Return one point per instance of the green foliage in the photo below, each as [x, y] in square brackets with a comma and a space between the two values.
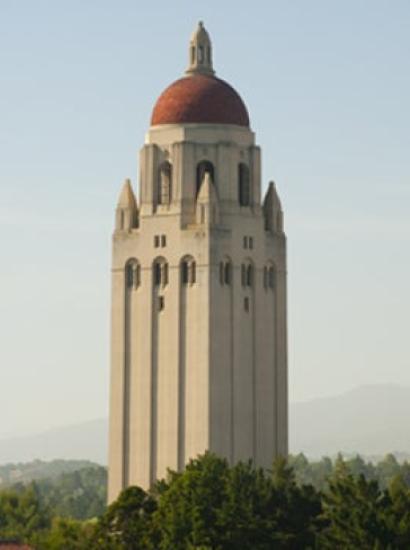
[35, 470]
[353, 509]
[80, 495]
[127, 524]
[317, 473]
[21, 513]
[213, 506]
[67, 534]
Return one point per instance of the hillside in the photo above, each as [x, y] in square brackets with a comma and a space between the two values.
[370, 420]
[85, 441]
[39, 469]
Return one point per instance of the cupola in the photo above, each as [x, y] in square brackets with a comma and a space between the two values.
[200, 97]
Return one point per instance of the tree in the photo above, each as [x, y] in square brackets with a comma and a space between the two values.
[127, 524]
[21, 513]
[354, 513]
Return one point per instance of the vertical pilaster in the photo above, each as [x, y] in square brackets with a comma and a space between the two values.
[116, 457]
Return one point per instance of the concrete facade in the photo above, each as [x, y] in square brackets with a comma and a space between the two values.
[199, 344]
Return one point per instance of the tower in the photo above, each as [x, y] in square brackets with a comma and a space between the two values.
[198, 351]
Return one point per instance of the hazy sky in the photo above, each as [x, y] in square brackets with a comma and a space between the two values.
[327, 85]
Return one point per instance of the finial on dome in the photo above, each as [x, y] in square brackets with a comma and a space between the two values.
[200, 52]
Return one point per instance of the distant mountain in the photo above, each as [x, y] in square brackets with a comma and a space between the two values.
[86, 441]
[369, 420]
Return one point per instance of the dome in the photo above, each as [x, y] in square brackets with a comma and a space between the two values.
[200, 98]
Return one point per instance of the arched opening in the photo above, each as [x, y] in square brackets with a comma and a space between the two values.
[228, 273]
[160, 272]
[165, 183]
[247, 274]
[133, 274]
[202, 168]
[188, 271]
[265, 277]
[243, 185]
[243, 274]
[225, 272]
[271, 277]
[221, 272]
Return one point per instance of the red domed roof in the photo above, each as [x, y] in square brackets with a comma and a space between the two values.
[202, 99]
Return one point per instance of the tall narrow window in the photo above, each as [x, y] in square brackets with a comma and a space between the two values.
[188, 271]
[164, 273]
[160, 272]
[243, 274]
[243, 185]
[157, 274]
[225, 272]
[249, 275]
[133, 274]
[192, 273]
[202, 168]
[165, 183]
[184, 272]
[271, 277]
[228, 273]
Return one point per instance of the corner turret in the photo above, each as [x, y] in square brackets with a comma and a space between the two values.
[272, 210]
[126, 215]
[207, 209]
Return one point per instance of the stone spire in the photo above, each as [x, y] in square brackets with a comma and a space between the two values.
[207, 208]
[127, 209]
[272, 210]
[200, 52]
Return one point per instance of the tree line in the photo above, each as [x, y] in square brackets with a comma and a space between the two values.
[213, 506]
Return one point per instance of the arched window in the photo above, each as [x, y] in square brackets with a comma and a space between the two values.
[188, 271]
[165, 183]
[133, 274]
[243, 274]
[160, 272]
[271, 277]
[221, 272]
[247, 274]
[201, 169]
[225, 272]
[243, 185]
[265, 277]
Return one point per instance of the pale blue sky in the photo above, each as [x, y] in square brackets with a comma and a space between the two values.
[327, 85]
